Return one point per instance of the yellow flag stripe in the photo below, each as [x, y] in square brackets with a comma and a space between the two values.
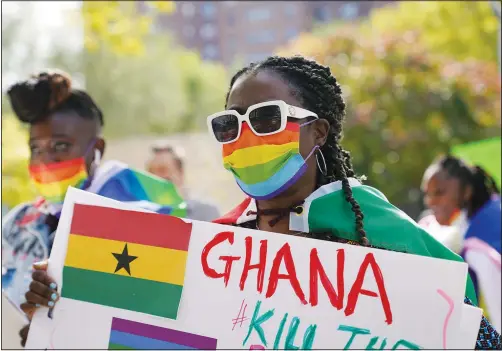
[152, 263]
[256, 155]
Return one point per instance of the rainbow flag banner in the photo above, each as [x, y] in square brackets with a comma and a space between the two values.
[129, 335]
[118, 181]
[126, 259]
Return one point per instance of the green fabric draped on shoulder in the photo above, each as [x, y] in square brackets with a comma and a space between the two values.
[386, 226]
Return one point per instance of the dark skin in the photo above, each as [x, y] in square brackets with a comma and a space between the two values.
[61, 137]
[247, 90]
[444, 195]
[65, 136]
[267, 86]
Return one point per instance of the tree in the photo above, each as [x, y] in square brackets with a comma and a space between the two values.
[167, 90]
[120, 25]
[16, 185]
[405, 104]
[459, 29]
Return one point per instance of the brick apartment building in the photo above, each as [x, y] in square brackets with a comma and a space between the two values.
[251, 30]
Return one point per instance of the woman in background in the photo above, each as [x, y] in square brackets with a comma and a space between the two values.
[465, 196]
[466, 216]
[66, 147]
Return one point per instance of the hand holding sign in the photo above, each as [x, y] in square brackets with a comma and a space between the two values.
[42, 290]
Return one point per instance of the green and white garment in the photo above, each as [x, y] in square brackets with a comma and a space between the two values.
[386, 226]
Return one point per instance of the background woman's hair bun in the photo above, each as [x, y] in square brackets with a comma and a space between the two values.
[33, 99]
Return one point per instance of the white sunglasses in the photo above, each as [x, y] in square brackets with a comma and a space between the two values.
[265, 118]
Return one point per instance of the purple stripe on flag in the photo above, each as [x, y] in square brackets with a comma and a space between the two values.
[159, 333]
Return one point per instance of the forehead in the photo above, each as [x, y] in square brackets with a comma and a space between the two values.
[258, 87]
[439, 178]
[64, 124]
[163, 159]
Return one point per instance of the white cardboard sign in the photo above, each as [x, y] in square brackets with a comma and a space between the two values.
[379, 299]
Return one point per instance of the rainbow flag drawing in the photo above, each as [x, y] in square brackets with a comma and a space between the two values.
[126, 259]
[129, 335]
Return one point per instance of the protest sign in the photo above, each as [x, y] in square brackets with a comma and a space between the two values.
[241, 289]
[469, 329]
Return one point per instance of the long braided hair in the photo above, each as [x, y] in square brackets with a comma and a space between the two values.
[318, 91]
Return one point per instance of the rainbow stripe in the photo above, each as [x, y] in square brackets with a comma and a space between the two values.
[265, 166]
[454, 216]
[129, 335]
[53, 180]
[127, 184]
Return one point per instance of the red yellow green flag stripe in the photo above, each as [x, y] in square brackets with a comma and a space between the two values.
[126, 259]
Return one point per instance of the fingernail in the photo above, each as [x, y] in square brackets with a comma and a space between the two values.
[51, 303]
[53, 285]
[54, 296]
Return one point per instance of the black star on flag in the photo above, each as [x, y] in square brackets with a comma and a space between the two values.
[123, 260]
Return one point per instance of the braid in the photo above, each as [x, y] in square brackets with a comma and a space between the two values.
[318, 90]
[483, 185]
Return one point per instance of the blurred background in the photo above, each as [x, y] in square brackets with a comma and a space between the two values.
[420, 78]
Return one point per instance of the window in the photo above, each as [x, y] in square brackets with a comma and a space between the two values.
[188, 9]
[188, 31]
[208, 9]
[257, 56]
[261, 37]
[259, 14]
[208, 31]
[291, 33]
[231, 19]
[232, 45]
[322, 14]
[291, 9]
[349, 11]
[210, 52]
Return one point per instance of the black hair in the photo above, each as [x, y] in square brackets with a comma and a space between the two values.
[35, 99]
[318, 90]
[483, 185]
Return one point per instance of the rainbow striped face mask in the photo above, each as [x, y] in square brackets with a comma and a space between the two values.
[265, 166]
[53, 179]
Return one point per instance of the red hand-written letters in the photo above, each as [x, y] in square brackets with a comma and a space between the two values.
[317, 273]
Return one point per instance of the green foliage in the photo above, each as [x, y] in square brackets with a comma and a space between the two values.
[118, 25]
[405, 104]
[459, 29]
[16, 186]
[167, 90]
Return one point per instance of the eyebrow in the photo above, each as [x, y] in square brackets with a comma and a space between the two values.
[57, 135]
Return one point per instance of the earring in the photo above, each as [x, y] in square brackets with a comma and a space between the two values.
[323, 170]
[97, 157]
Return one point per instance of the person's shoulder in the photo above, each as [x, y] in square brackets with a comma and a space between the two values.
[202, 209]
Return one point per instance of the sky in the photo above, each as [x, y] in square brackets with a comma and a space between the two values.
[43, 27]
[51, 12]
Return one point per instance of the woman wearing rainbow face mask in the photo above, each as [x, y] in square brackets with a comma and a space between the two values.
[66, 148]
[280, 135]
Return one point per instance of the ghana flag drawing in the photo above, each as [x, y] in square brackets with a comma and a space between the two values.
[130, 335]
[126, 259]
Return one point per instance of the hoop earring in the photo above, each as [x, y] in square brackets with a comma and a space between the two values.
[324, 171]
